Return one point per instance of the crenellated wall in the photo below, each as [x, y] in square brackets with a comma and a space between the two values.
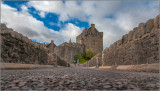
[139, 46]
[16, 48]
[67, 51]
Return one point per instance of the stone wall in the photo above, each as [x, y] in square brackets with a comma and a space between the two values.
[16, 48]
[94, 61]
[139, 46]
[53, 59]
[51, 46]
[67, 51]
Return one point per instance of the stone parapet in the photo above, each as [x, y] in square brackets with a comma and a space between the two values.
[139, 46]
[19, 36]
[16, 48]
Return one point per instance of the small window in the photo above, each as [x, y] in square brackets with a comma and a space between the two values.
[94, 42]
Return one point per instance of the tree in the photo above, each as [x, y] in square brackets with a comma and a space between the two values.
[85, 57]
[89, 54]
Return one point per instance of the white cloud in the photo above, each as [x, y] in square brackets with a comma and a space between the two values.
[51, 23]
[42, 14]
[24, 8]
[70, 32]
[126, 16]
[65, 10]
[26, 24]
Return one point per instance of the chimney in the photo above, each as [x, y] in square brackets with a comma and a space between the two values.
[52, 41]
[92, 25]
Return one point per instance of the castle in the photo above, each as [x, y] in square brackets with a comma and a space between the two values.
[139, 46]
[88, 39]
[19, 49]
[91, 38]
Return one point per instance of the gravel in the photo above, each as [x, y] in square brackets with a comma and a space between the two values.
[77, 79]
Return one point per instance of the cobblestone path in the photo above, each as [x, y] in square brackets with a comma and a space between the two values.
[77, 79]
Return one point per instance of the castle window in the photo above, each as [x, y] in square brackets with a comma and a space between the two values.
[94, 42]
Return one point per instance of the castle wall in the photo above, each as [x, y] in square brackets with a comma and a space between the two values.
[67, 53]
[139, 46]
[55, 60]
[94, 43]
[16, 48]
[94, 61]
[19, 49]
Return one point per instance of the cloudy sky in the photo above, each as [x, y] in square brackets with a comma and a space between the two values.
[43, 21]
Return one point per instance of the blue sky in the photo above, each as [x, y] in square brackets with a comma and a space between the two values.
[50, 20]
[44, 21]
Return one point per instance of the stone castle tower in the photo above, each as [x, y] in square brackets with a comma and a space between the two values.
[91, 38]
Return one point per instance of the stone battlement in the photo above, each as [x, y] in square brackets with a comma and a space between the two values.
[19, 36]
[144, 30]
[139, 46]
[16, 48]
[67, 51]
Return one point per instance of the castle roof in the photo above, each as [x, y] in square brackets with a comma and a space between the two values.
[92, 31]
[51, 44]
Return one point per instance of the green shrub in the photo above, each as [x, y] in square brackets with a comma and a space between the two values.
[84, 57]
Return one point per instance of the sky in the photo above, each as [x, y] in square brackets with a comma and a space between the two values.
[43, 21]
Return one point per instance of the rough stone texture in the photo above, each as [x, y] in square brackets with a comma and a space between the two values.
[140, 46]
[91, 38]
[53, 59]
[16, 48]
[94, 61]
[67, 51]
[77, 79]
[51, 46]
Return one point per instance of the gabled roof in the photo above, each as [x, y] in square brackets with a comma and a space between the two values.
[92, 31]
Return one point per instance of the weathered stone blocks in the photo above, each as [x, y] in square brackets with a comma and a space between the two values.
[139, 46]
[135, 32]
[17, 48]
[119, 43]
[124, 39]
[91, 38]
[149, 25]
[141, 28]
[130, 36]
[156, 22]
[67, 51]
